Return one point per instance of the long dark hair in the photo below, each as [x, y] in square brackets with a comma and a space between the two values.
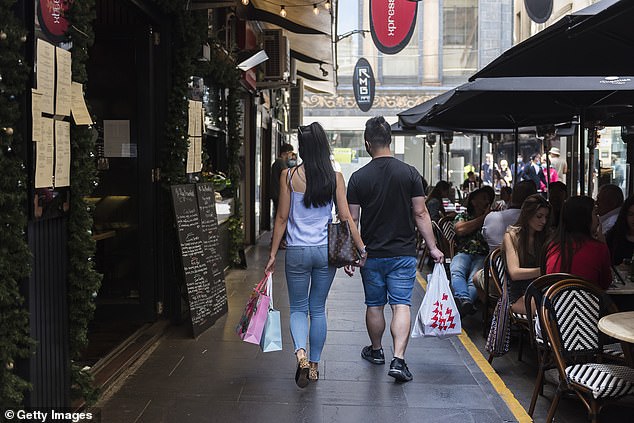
[440, 187]
[321, 180]
[529, 208]
[618, 233]
[574, 230]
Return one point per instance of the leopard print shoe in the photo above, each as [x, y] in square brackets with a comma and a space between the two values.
[313, 373]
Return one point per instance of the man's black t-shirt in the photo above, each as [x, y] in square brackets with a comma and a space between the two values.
[384, 189]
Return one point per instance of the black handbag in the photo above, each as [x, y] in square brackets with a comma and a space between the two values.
[341, 248]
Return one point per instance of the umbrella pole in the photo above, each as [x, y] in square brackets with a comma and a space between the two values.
[480, 169]
[447, 163]
[516, 146]
[547, 145]
[582, 153]
[591, 146]
[440, 159]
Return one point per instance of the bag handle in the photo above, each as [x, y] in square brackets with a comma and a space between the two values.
[269, 288]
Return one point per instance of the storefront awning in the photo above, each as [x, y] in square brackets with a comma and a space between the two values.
[309, 36]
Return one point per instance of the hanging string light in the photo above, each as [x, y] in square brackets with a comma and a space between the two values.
[315, 9]
[282, 11]
[327, 5]
[245, 2]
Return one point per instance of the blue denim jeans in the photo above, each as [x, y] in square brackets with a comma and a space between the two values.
[463, 267]
[308, 277]
[388, 280]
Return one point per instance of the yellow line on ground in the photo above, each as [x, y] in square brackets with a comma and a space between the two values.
[496, 381]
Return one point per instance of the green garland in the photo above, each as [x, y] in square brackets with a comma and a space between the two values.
[222, 71]
[188, 31]
[14, 251]
[83, 280]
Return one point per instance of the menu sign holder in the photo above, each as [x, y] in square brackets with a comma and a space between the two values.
[197, 228]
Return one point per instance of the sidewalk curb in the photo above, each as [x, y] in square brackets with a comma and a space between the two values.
[496, 381]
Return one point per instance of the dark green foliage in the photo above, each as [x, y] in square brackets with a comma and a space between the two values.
[14, 252]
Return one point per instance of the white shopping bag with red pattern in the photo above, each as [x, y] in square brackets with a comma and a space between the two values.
[438, 315]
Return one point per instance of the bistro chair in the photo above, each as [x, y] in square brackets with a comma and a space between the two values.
[570, 312]
[443, 245]
[422, 250]
[533, 296]
[497, 268]
[447, 227]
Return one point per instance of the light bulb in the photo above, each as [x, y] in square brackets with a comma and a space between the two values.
[327, 5]
[315, 9]
[245, 2]
[282, 12]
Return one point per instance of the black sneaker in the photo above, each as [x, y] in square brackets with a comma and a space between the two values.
[465, 307]
[373, 356]
[399, 370]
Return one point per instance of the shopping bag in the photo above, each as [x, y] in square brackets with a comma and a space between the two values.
[499, 338]
[438, 315]
[255, 313]
[272, 334]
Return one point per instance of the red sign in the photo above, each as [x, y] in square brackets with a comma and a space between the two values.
[51, 14]
[392, 24]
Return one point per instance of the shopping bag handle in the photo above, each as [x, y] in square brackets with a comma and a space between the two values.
[269, 287]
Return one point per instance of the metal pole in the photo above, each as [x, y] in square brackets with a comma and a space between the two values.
[582, 153]
[516, 147]
[591, 137]
[447, 162]
[547, 152]
[440, 159]
[480, 169]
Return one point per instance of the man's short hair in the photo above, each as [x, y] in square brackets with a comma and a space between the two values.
[521, 191]
[285, 148]
[378, 132]
[470, 173]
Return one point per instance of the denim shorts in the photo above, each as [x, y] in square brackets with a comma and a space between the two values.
[388, 280]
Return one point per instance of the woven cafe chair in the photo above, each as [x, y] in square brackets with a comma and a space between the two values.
[533, 297]
[570, 313]
[447, 227]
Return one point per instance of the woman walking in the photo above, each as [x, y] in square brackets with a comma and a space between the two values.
[304, 210]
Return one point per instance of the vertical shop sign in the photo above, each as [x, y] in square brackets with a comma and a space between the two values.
[392, 24]
[363, 84]
[52, 17]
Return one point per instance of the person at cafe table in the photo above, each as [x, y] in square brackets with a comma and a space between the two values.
[578, 246]
[620, 238]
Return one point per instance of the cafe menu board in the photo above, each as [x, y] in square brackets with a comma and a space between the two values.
[197, 226]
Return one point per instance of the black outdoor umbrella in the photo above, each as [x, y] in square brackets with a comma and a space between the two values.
[523, 101]
[597, 40]
[410, 118]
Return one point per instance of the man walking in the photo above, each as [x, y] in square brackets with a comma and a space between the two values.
[390, 194]
[281, 163]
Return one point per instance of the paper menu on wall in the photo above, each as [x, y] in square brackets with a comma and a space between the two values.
[45, 76]
[36, 114]
[44, 156]
[191, 156]
[116, 138]
[62, 82]
[62, 153]
[194, 126]
[78, 108]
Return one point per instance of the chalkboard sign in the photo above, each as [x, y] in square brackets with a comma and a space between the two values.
[197, 226]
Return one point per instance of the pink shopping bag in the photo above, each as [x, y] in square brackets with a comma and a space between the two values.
[255, 313]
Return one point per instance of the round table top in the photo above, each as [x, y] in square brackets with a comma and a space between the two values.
[619, 325]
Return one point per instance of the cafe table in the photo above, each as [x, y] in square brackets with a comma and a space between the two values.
[619, 325]
[621, 285]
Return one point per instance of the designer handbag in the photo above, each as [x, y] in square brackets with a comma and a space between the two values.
[341, 249]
